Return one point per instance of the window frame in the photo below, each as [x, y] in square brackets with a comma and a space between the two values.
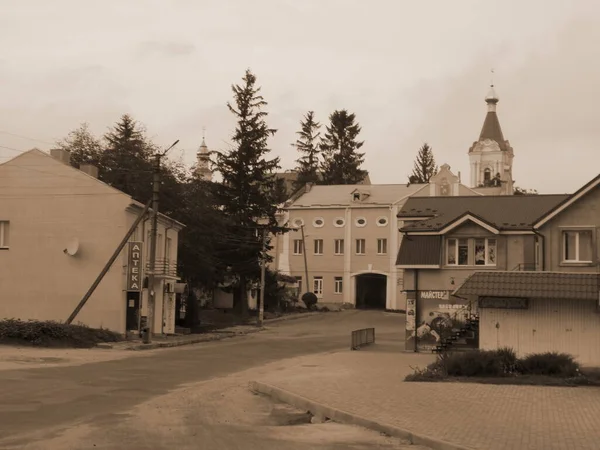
[471, 257]
[4, 234]
[336, 224]
[320, 219]
[358, 225]
[338, 251]
[563, 243]
[364, 246]
[318, 281]
[386, 221]
[301, 247]
[318, 245]
[338, 285]
[382, 242]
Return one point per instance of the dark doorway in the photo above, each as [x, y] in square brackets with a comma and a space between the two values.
[133, 311]
[371, 291]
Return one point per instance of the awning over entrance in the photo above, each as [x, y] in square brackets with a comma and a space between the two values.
[550, 285]
[420, 252]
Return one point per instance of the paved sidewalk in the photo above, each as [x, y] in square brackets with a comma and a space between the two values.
[188, 339]
[368, 383]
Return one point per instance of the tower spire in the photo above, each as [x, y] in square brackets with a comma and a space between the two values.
[491, 98]
[203, 166]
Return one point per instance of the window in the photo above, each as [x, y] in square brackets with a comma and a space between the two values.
[457, 251]
[298, 247]
[487, 175]
[318, 222]
[339, 222]
[361, 222]
[483, 252]
[382, 221]
[318, 286]
[577, 246]
[298, 222]
[338, 285]
[356, 196]
[360, 246]
[318, 246]
[338, 246]
[4, 234]
[381, 246]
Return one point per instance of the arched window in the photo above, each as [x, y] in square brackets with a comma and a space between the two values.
[487, 175]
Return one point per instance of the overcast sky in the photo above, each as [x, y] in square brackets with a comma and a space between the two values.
[411, 71]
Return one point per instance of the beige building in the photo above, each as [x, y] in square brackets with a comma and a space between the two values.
[352, 231]
[59, 226]
[351, 236]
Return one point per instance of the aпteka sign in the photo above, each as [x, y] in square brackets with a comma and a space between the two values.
[134, 267]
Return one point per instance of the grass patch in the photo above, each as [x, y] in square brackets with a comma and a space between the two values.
[503, 367]
[53, 334]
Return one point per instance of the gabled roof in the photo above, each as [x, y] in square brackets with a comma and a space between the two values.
[341, 195]
[290, 177]
[503, 212]
[548, 285]
[420, 252]
[567, 202]
[37, 152]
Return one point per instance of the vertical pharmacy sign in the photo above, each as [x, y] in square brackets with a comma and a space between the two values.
[134, 267]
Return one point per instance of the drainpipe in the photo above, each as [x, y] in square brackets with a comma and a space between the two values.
[416, 349]
[543, 248]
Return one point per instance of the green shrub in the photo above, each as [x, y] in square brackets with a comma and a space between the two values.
[52, 334]
[549, 363]
[474, 364]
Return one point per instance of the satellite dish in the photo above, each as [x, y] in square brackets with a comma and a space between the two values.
[72, 247]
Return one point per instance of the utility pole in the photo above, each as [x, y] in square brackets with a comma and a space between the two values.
[305, 264]
[153, 235]
[263, 269]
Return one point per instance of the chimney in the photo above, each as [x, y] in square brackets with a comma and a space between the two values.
[89, 169]
[60, 154]
[459, 176]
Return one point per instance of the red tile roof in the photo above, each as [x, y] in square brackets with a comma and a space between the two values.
[550, 285]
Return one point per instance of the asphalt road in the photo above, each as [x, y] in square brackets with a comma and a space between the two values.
[159, 401]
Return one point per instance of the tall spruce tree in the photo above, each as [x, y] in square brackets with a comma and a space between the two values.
[341, 159]
[126, 160]
[424, 167]
[246, 193]
[308, 145]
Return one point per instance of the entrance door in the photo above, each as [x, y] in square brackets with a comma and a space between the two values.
[371, 291]
[133, 311]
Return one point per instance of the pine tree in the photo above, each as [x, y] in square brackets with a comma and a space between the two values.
[126, 160]
[246, 193]
[308, 145]
[84, 147]
[424, 167]
[341, 160]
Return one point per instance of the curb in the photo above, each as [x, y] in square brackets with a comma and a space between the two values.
[218, 336]
[318, 409]
[199, 339]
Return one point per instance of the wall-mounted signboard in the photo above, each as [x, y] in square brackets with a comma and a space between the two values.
[503, 302]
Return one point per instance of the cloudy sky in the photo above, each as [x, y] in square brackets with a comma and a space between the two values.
[411, 71]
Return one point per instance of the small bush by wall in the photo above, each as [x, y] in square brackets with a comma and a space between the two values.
[53, 334]
[503, 364]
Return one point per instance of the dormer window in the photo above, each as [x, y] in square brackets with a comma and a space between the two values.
[358, 196]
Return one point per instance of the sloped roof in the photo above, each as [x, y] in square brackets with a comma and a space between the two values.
[491, 130]
[291, 176]
[341, 194]
[504, 212]
[420, 251]
[550, 285]
[581, 192]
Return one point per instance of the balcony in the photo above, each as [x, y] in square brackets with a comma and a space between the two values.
[164, 268]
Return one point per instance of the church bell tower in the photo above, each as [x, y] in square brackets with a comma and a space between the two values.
[491, 156]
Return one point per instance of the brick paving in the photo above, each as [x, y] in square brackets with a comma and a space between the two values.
[369, 383]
